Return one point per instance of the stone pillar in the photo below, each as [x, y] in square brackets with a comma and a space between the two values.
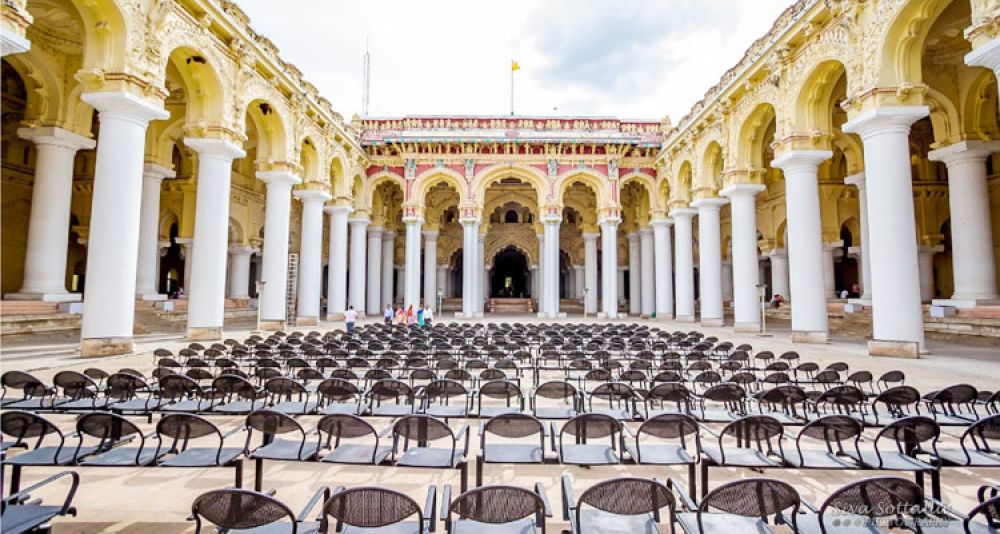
[187, 254]
[590, 272]
[634, 274]
[971, 228]
[685, 264]
[442, 284]
[727, 280]
[925, 255]
[621, 284]
[858, 180]
[487, 285]
[239, 271]
[710, 260]
[480, 265]
[373, 287]
[609, 268]
[805, 243]
[336, 283]
[411, 263]
[147, 287]
[310, 256]
[113, 240]
[579, 281]
[779, 273]
[664, 268]
[897, 315]
[430, 267]
[550, 265]
[648, 291]
[470, 244]
[388, 258]
[274, 277]
[829, 274]
[357, 274]
[48, 223]
[987, 55]
[746, 268]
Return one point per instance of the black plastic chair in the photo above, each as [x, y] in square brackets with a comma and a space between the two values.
[22, 515]
[35, 395]
[741, 506]
[950, 521]
[590, 426]
[758, 446]
[728, 404]
[860, 507]
[113, 430]
[272, 424]
[504, 390]
[511, 426]
[899, 402]
[978, 446]
[445, 399]
[338, 427]
[185, 395]
[374, 509]
[555, 390]
[908, 437]
[340, 396]
[175, 432]
[686, 451]
[953, 406]
[838, 433]
[621, 399]
[240, 511]
[496, 509]
[668, 398]
[239, 396]
[22, 426]
[423, 429]
[624, 505]
[389, 389]
[289, 397]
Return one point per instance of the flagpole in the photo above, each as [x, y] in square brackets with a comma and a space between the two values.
[512, 88]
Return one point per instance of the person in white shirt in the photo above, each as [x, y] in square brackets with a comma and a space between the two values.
[387, 314]
[350, 317]
[428, 316]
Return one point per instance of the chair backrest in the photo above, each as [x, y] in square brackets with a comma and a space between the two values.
[497, 504]
[421, 428]
[185, 426]
[591, 425]
[272, 423]
[74, 384]
[500, 389]
[876, 497]
[898, 396]
[910, 432]
[833, 429]
[344, 426]
[107, 427]
[444, 389]
[19, 425]
[389, 389]
[556, 390]
[22, 381]
[753, 430]
[370, 507]
[752, 497]
[984, 433]
[234, 508]
[627, 496]
[513, 425]
[669, 426]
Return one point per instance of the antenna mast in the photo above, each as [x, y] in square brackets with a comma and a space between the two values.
[366, 95]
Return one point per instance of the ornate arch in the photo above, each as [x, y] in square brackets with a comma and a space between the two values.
[648, 181]
[597, 182]
[372, 183]
[899, 56]
[814, 97]
[750, 139]
[494, 173]
[431, 177]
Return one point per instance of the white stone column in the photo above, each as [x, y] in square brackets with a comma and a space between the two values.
[634, 274]
[187, 254]
[648, 291]
[388, 258]
[971, 228]
[470, 245]
[442, 284]
[727, 280]
[336, 282]
[550, 265]
[710, 260]
[579, 281]
[829, 273]
[358, 273]
[925, 255]
[779, 273]
[590, 272]
[430, 267]
[207, 278]
[48, 223]
[239, 271]
[684, 256]
[858, 180]
[411, 263]
[745, 265]
[987, 55]
[373, 288]
[897, 315]
[113, 240]
[310, 256]
[664, 268]
[609, 268]
[274, 277]
[805, 243]
[148, 266]
[480, 265]
[487, 282]
[534, 284]
[621, 285]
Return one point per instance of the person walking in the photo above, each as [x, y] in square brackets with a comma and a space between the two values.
[387, 314]
[428, 316]
[350, 317]
[420, 316]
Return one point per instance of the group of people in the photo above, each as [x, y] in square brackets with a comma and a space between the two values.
[409, 317]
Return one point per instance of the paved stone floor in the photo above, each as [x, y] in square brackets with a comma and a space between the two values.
[158, 500]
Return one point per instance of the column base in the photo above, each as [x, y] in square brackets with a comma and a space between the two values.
[663, 317]
[339, 316]
[473, 315]
[307, 321]
[809, 337]
[747, 327]
[106, 346]
[962, 303]
[63, 296]
[273, 326]
[686, 319]
[204, 333]
[151, 297]
[708, 321]
[895, 349]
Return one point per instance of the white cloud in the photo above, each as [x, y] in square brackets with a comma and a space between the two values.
[623, 58]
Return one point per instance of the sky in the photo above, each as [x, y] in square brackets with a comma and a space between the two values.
[633, 59]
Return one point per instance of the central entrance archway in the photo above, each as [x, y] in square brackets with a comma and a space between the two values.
[510, 274]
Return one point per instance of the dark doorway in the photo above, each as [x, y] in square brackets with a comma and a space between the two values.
[509, 277]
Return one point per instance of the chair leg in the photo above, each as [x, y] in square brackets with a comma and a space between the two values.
[936, 484]
[238, 467]
[464, 469]
[258, 482]
[15, 479]
[479, 470]
[704, 479]
[691, 482]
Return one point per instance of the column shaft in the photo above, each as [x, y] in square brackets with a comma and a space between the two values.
[470, 244]
[357, 273]
[374, 268]
[710, 260]
[858, 180]
[239, 271]
[550, 266]
[634, 274]
[336, 283]
[745, 266]
[609, 268]
[388, 259]
[310, 256]
[149, 233]
[664, 268]
[590, 269]
[275, 268]
[684, 255]
[430, 268]
[648, 291]
[411, 264]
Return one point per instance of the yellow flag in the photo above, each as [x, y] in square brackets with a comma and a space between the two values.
[514, 66]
